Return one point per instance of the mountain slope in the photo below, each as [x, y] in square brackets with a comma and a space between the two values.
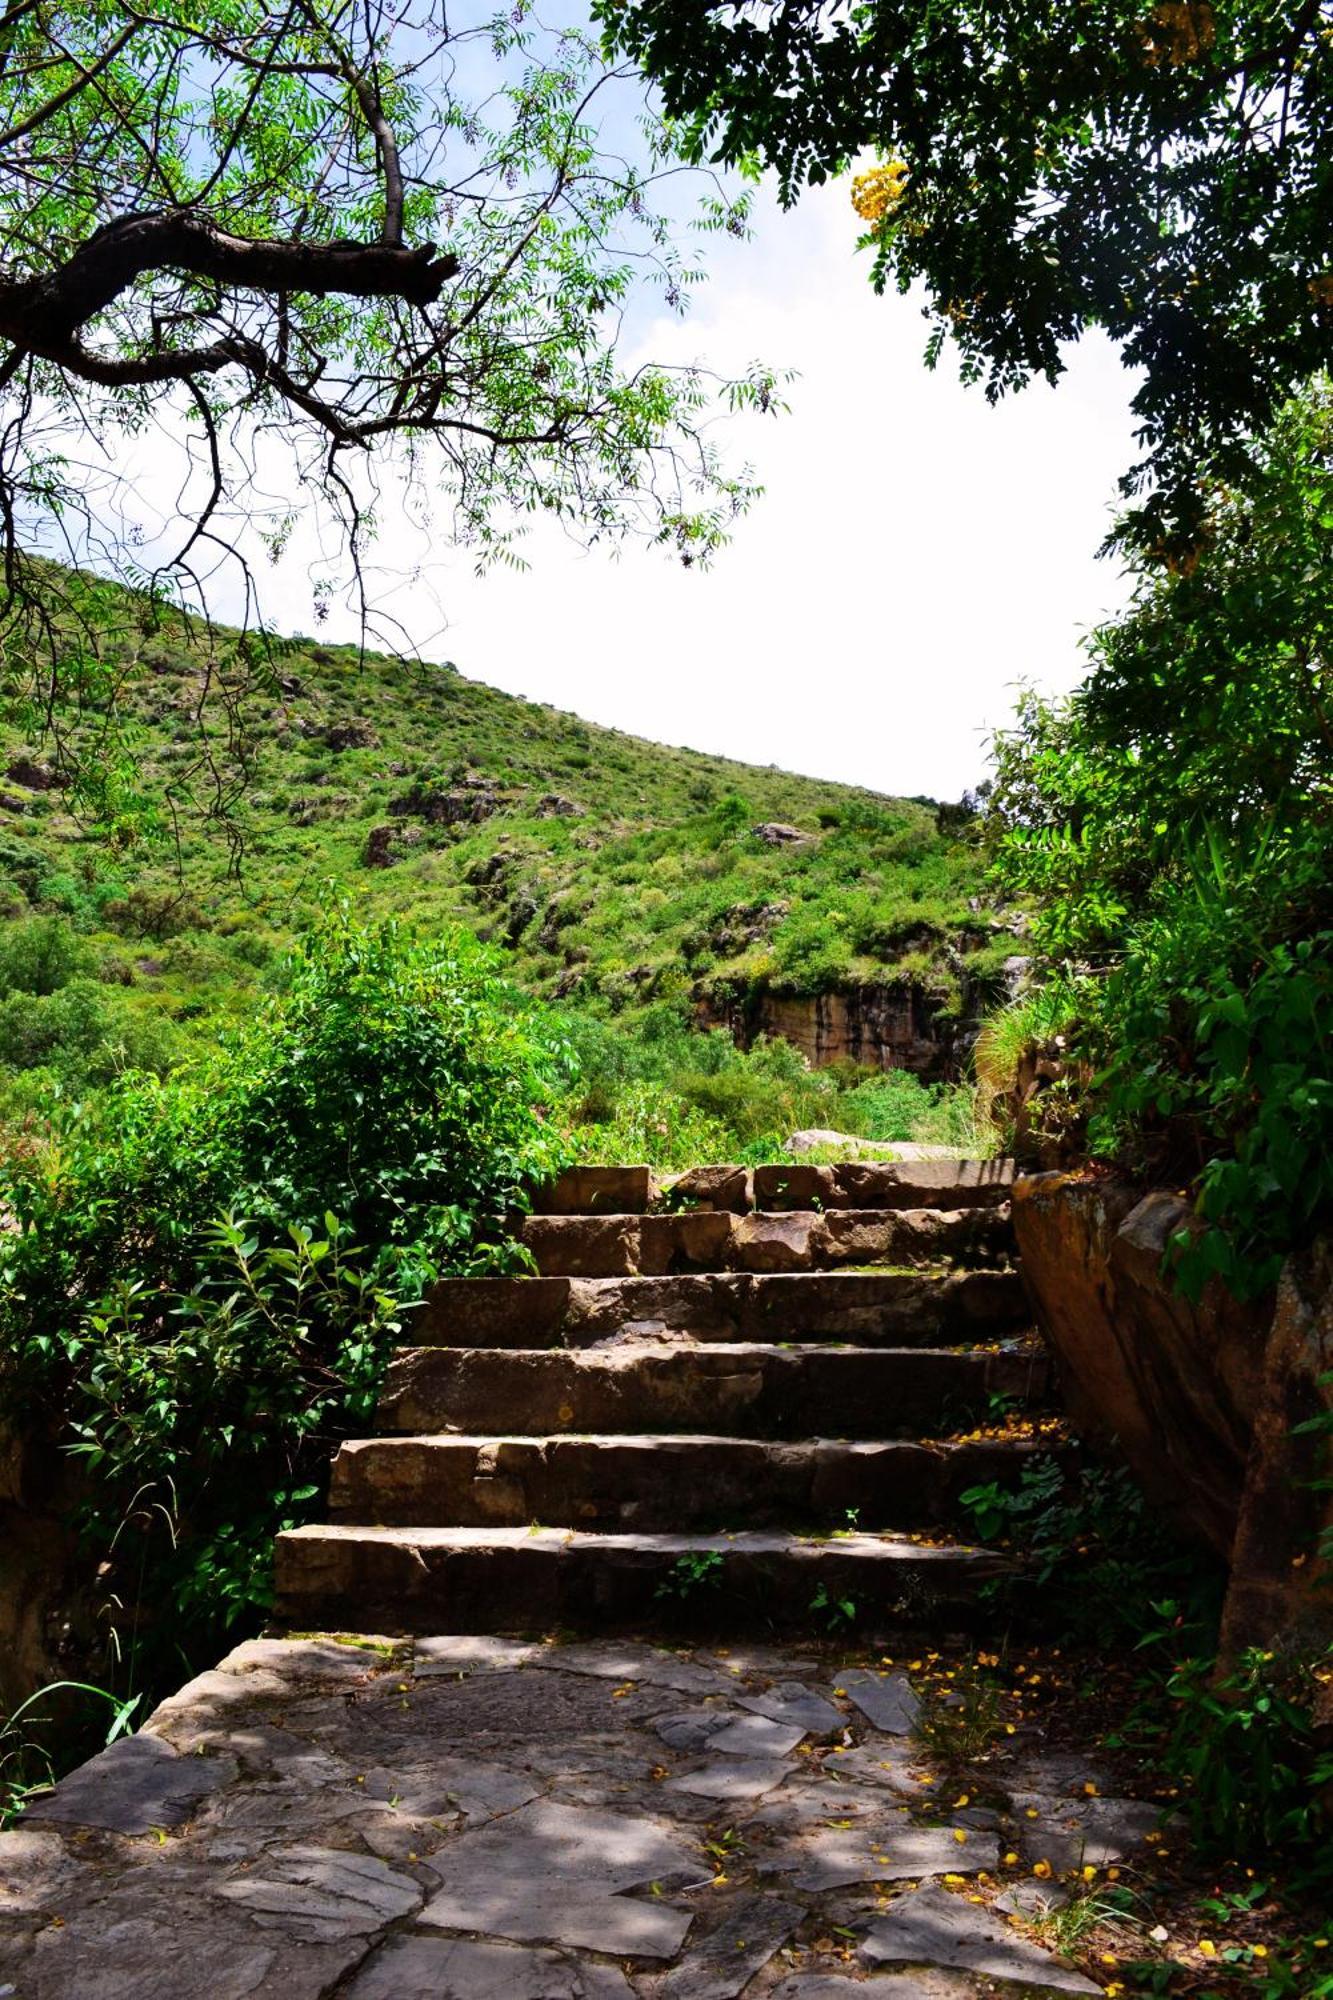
[615, 871]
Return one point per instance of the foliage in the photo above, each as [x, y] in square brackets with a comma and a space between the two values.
[207, 1272]
[1026, 1090]
[1244, 1739]
[653, 1127]
[652, 1088]
[60, 1026]
[1094, 1555]
[963, 1719]
[27, 1761]
[1172, 819]
[698, 1570]
[622, 877]
[1164, 173]
[340, 246]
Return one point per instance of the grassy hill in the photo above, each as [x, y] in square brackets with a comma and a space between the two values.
[621, 877]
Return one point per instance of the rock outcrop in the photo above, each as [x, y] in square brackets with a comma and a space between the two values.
[894, 1025]
[1200, 1397]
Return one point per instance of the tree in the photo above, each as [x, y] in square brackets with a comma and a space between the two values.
[1172, 822]
[1163, 171]
[344, 230]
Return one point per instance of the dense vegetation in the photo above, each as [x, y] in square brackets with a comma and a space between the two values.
[632, 884]
[205, 1273]
[1173, 821]
[309, 254]
[1162, 172]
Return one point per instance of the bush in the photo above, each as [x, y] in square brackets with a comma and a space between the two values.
[683, 1096]
[1173, 819]
[207, 1272]
[41, 955]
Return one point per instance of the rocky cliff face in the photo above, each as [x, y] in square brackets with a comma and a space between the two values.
[893, 1025]
[1201, 1399]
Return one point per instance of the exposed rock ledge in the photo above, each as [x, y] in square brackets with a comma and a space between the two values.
[893, 1025]
[1202, 1399]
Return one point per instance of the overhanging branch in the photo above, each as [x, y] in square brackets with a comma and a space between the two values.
[42, 313]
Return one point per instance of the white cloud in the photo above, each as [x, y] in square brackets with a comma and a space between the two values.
[917, 551]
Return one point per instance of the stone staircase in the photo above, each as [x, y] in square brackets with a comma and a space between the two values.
[736, 1395]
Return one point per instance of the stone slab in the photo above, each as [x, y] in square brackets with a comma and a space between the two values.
[468, 1653]
[597, 1191]
[757, 1736]
[893, 1986]
[133, 1787]
[800, 1706]
[885, 1700]
[739, 1388]
[162, 1950]
[1071, 1833]
[723, 1963]
[733, 1781]
[654, 1665]
[322, 1893]
[893, 1848]
[557, 1874]
[426, 1968]
[930, 1926]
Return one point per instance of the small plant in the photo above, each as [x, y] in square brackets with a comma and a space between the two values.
[698, 1569]
[27, 1764]
[727, 1844]
[1065, 1930]
[838, 1613]
[1257, 1777]
[962, 1721]
[1093, 1556]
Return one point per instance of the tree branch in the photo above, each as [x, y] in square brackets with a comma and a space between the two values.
[44, 312]
[368, 97]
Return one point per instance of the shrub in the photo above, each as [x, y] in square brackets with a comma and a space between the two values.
[41, 955]
[207, 1272]
[1173, 819]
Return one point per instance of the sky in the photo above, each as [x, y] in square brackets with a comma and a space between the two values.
[916, 554]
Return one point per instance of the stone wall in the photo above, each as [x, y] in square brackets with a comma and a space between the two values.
[1201, 1399]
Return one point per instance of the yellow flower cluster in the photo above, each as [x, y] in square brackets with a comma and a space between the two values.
[1180, 31]
[877, 193]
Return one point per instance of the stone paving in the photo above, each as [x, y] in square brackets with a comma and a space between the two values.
[458, 1818]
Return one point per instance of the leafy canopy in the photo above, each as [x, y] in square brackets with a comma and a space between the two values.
[1159, 168]
[271, 247]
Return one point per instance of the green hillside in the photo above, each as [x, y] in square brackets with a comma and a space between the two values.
[618, 875]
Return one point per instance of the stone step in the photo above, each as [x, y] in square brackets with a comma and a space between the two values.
[738, 1389]
[876, 1184]
[598, 1191]
[846, 1184]
[526, 1580]
[620, 1246]
[653, 1485]
[894, 1308]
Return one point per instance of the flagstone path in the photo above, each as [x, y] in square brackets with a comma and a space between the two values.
[457, 1818]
